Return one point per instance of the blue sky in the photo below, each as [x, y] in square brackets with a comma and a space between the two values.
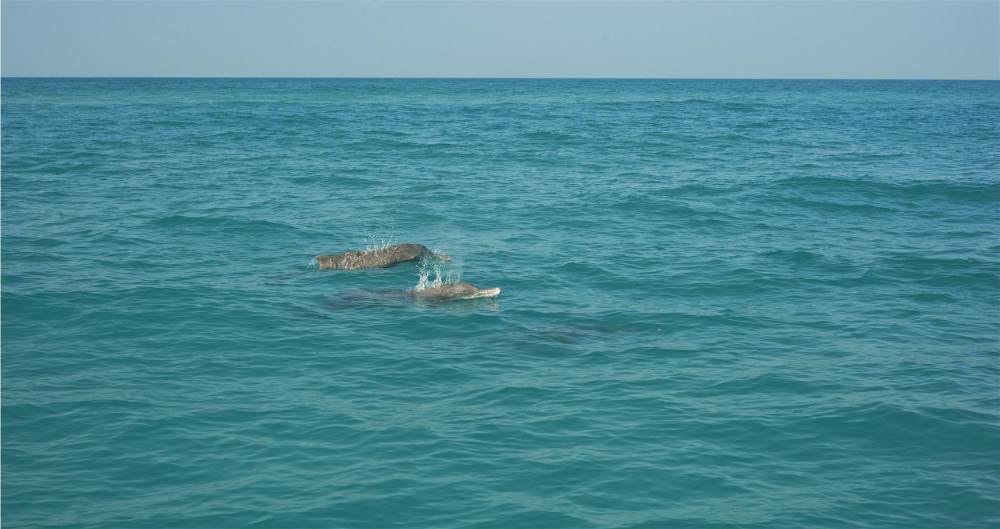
[799, 39]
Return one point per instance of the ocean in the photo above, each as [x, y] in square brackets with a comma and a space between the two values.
[739, 304]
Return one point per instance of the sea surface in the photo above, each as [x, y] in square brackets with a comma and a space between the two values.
[726, 304]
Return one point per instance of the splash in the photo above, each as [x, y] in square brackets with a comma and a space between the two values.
[380, 238]
[425, 282]
[378, 243]
[452, 273]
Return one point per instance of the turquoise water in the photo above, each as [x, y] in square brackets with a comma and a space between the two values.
[725, 304]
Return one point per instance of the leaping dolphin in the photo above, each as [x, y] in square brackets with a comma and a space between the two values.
[379, 258]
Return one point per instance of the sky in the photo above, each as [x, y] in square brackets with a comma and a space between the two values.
[705, 39]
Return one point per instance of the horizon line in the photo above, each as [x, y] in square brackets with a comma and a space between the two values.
[449, 77]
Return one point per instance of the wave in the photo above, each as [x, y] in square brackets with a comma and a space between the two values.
[551, 136]
[960, 191]
[834, 206]
[221, 224]
[333, 180]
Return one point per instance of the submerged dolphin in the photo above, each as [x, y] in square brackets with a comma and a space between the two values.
[381, 257]
[437, 295]
[452, 291]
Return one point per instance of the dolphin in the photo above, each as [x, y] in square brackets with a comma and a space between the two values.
[452, 291]
[379, 258]
[354, 299]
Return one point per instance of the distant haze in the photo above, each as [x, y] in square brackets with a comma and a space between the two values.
[925, 40]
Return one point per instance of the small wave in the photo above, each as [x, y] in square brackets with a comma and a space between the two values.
[334, 179]
[220, 223]
[741, 106]
[697, 190]
[721, 104]
[759, 124]
[386, 144]
[695, 101]
[543, 135]
[917, 261]
[931, 189]
[794, 256]
[833, 206]
[933, 297]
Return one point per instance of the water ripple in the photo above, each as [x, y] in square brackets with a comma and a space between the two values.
[726, 304]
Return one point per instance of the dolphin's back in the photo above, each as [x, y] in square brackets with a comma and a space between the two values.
[372, 258]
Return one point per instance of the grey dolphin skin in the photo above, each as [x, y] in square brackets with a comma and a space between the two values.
[454, 291]
[380, 258]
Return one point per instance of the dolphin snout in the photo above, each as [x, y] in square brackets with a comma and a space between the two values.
[490, 292]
